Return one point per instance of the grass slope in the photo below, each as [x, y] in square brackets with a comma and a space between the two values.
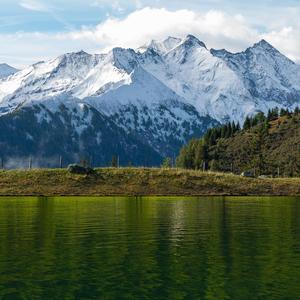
[249, 150]
[132, 181]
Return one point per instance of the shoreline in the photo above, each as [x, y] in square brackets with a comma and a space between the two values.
[145, 196]
[137, 182]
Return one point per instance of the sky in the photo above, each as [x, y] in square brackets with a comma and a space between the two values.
[35, 30]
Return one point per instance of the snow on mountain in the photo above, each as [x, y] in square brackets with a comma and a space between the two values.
[78, 74]
[6, 70]
[161, 47]
[69, 129]
[148, 108]
[217, 83]
[112, 71]
[164, 93]
[116, 85]
[203, 80]
[266, 73]
[45, 79]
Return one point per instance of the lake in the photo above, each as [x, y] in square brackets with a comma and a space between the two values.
[150, 248]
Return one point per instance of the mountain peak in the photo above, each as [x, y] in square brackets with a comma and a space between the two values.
[6, 70]
[73, 57]
[219, 52]
[164, 46]
[263, 44]
[76, 54]
[171, 42]
[124, 59]
[81, 52]
[191, 40]
[5, 65]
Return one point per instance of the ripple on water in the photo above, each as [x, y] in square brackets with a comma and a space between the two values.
[157, 248]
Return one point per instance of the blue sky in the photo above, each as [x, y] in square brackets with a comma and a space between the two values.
[32, 30]
[58, 15]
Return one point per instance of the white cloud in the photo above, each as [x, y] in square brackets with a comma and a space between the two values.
[286, 40]
[213, 27]
[216, 28]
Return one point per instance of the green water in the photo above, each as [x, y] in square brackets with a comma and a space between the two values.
[150, 248]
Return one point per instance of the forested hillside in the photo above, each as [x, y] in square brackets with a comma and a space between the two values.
[265, 145]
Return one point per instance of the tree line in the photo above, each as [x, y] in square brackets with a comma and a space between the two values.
[203, 154]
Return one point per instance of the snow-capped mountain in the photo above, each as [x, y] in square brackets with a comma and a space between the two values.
[6, 70]
[159, 95]
[145, 107]
[203, 80]
[72, 130]
[266, 73]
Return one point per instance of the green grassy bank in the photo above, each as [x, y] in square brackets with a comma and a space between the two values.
[133, 181]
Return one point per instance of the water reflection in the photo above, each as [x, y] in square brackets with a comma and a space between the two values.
[149, 248]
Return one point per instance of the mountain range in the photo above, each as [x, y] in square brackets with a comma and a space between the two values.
[139, 104]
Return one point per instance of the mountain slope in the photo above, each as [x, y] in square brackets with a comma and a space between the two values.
[152, 112]
[74, 131]
[204, 80]
[266, 145]
[6, 70]
[276, 151]
[158, 96]
[117, 86]
[267, 74]
[217, 83]
[45, 79]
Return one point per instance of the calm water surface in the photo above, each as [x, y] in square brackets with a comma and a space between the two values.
[150, 248]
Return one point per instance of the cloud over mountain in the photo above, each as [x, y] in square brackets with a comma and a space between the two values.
[217, 28]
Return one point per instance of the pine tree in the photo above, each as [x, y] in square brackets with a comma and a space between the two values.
[224, 131]
[266, 127]
[269, 115]
[214, 165]
[283, 112]
[114, 161]
[186, 156]
[276, 112]
[247, 123]
[201, 155]
[260, 118]
[167, 163]
[228, 131]
[213, 138]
